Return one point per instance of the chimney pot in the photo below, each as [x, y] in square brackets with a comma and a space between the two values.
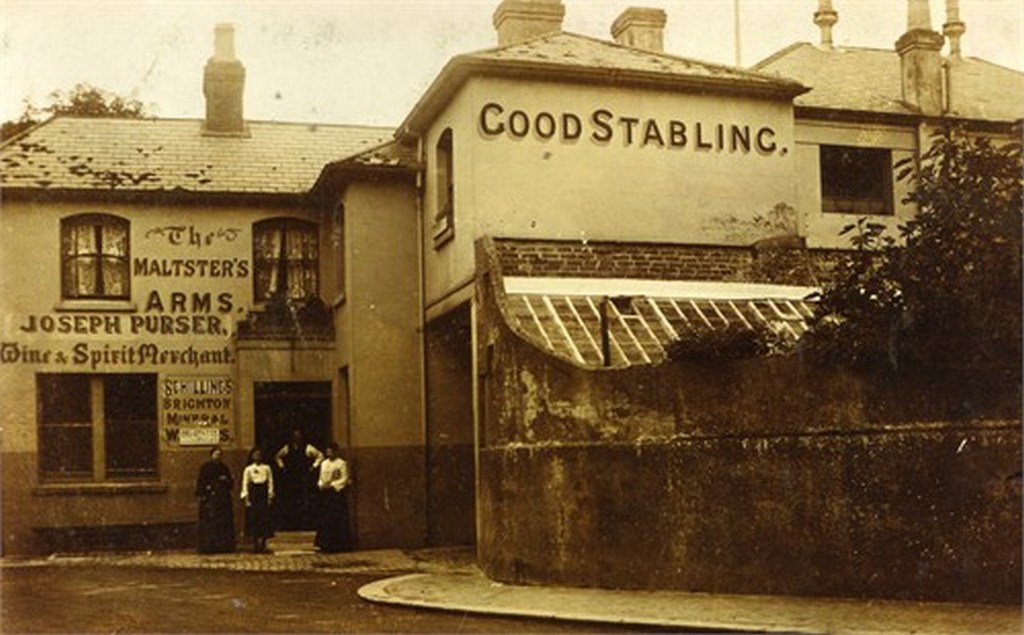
[825, 18]
[641, 28]
[519, 20]
[224, 42]
[954, 28]
[918, 15]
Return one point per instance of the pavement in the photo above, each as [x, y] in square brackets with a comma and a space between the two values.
[448, 579]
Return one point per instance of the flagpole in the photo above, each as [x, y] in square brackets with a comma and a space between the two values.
[736, 14]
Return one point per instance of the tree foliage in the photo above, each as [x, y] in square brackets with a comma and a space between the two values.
[84, 100]
[948, 294]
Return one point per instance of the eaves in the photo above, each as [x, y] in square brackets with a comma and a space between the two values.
[818, 113]
[158, 197]
[461, 68]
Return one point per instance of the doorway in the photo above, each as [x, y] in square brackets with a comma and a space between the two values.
[281, 408]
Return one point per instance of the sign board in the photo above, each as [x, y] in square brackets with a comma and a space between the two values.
[196, 410]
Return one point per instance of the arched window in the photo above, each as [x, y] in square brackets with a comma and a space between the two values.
[286, 259]
[95, 257]
[444, 219]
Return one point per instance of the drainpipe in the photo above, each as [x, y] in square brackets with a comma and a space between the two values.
[422, 327]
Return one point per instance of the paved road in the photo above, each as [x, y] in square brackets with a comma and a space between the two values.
[105, 599]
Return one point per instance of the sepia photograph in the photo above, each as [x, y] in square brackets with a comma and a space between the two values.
[511, 316]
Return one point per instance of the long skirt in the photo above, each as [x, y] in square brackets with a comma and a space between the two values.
[216, 524]
[332, 532]
[258, 523]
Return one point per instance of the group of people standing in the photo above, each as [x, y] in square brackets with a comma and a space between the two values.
[296, 508]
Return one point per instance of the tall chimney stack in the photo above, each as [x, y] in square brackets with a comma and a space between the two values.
[954, 28]
[921, 60]
[223, 85]
[519, 20]
[825, 18]
[641, 28]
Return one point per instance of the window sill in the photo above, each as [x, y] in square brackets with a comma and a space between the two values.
[855, 206]
[106, 306]
[99, 489]
[443, 236]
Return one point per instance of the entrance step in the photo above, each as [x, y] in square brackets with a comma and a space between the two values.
[292, 542]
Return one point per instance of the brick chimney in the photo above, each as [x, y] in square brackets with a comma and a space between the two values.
[825, 18]
[921, 60]
[641, 28]
[519, 20]
[954, 27]
[223, 84]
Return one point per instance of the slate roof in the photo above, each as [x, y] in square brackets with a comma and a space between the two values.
[391, 154]
[580, 58]
[579, 52]
[869, 80]
[155, 155]
[646, 318]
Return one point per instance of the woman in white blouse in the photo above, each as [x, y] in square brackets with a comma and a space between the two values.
[258, 493]
[332, 527]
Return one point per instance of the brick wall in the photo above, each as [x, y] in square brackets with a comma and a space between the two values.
[663, 261]
[622, 260]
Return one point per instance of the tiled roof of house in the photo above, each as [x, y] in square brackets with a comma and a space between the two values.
[391, 154]
[585, 59]
[580, 52]
[869, 80]
[646, 319]
[153, 155]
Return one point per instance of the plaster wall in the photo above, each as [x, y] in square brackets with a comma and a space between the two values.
[191, 282]
[379, 343]
[822, 229]
[624, 180]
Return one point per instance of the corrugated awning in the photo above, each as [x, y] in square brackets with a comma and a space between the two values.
[643, 317]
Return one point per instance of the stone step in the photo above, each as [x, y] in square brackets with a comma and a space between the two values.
[292, 541]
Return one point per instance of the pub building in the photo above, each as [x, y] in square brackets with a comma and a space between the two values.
[553, 213]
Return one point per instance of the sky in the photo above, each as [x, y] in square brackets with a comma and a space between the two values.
[368, 61]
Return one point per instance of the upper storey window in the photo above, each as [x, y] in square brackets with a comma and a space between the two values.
[94, 257]
[444, 219]
[286, 259]
[856, 180]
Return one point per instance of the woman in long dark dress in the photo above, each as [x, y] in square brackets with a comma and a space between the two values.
[258, 493]
[332, 528]
[216, 516]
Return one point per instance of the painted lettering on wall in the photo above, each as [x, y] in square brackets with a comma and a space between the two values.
[197, 320]
[190, 236]
[604, 127]
[191, 268]
[196, 410]
[92, 356]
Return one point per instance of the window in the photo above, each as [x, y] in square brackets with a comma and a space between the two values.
[444, 219]
[856, 180]
[97, 427]
[286, 259]
[94, 257]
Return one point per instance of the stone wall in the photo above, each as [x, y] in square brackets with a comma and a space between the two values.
[764, 476]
